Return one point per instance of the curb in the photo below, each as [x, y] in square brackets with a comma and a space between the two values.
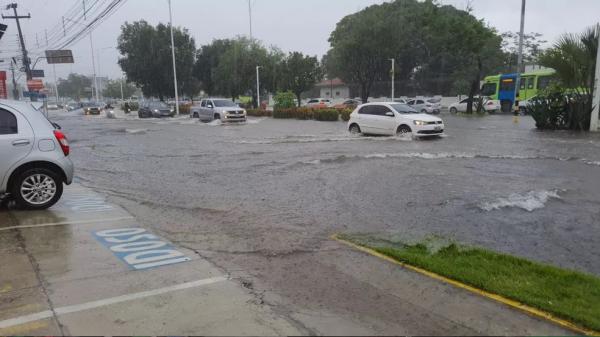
[508, 302]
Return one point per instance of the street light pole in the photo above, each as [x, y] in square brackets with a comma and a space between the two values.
[595, 113]
[520, 58]
[122, 96]
[94, 66]
[393, 78]
[258, 85]
[250, 16]
[174, 64]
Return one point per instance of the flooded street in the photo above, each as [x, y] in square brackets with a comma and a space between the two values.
[261, 200]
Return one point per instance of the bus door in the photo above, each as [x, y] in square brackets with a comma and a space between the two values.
[527, 88]
[507, 92]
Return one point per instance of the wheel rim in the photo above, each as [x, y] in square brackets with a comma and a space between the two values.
[403, 131]
[354, 130]
[38, 189]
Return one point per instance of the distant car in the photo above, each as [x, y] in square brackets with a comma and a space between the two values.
[400, 100]
[92, 108]
[348, 104]
[393, 119]
[524, 106]
[489, 105]
[35, 157]
[424, 106]
[221, 109]
[155, 110]
[53, 106]
[319, 103]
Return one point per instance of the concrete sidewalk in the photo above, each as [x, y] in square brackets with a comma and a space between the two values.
[61, 275]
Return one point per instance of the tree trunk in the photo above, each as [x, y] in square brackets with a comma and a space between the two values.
[364, 93]
[475, 88]
[298, 96]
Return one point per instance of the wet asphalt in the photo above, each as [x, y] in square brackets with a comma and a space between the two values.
[260, 200]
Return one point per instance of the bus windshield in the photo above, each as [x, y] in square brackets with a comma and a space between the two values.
[489, 89]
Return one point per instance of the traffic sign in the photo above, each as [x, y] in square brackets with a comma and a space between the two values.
[59, 56]
[39, 73]
[2, 30]
[35, 85]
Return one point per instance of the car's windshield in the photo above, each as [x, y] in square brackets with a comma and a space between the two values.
[224, 103]
[158, 105]
[404, 109]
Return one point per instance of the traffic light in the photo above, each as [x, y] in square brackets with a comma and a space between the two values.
[2, 30]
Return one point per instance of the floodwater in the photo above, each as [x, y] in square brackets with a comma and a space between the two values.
[279, 186]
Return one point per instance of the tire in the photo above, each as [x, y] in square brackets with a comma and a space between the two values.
[37, 189]
[355, 129]
[216, 117]
[403, 130]
[423, 111]
[195, 115]
[453, 111]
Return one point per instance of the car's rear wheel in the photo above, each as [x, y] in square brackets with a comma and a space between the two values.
[37, 189]
[355, 129]
[453, 111]
[403, 130]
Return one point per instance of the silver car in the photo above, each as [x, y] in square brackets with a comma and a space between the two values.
[224, 110]
[425, 106]
[35, 157]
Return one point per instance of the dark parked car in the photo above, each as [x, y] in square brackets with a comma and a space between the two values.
[155, 110]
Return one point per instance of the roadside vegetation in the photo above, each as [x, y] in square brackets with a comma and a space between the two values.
[568, 105]
[567, 294]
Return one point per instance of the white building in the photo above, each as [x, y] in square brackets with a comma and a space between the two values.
[334, 89]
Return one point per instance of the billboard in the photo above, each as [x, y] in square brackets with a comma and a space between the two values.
[35, 85]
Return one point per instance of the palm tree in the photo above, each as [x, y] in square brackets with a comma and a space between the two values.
[574, 59]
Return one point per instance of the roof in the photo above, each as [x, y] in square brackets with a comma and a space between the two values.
[336, 82]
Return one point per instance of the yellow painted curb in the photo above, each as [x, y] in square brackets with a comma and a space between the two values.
[511, 303]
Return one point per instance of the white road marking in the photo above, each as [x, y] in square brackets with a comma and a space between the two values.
[66, 223]
[106, 302]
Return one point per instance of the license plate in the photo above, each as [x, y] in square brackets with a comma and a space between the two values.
[438, 128]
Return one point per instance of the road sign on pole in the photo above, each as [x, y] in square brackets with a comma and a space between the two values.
[37, 73]
[59, 56]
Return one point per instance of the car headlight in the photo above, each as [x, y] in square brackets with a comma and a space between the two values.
[419, 122]
[156, 110]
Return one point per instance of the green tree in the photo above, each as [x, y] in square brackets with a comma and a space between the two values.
[113, 89]
[299, 73]
[435, 47]
[75, 86]
[207, 61]
[147, 61]
[532, 48]
[574, 59]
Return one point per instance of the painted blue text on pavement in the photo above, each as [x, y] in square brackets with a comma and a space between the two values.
[139, 249]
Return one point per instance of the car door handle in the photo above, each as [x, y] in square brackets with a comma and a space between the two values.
[21, 142]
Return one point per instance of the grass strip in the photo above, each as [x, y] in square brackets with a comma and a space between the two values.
[567, 294]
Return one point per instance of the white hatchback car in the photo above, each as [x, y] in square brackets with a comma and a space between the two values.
[393, 119]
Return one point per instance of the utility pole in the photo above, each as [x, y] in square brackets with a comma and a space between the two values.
[258, 85]
[13, 64]
[520, 59]
[250, 16]
[393, 78]
[26, 60]
[595, 113]
[122, 96]
[53, 71]
[174, 64]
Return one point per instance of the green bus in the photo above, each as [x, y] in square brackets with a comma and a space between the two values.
[502, 87]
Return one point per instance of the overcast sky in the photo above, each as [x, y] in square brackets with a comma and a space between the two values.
[302, 25]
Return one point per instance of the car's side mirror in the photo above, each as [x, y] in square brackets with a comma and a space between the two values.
[389, 114]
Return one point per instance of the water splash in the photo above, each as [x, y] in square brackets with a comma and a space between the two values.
[530, 201]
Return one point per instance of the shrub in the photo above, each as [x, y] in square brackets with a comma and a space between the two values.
[326, 115]
[558, 109]
[259, 113]
[284, 113]
[185, 109]
[133, 106]
[345, 114]
[285, 100]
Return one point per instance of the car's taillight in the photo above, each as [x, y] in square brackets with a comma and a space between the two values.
[62, 140]
[490, 103]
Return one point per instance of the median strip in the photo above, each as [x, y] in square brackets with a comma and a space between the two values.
[567, 298]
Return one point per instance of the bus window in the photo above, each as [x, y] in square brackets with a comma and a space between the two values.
[507, 85]
[489, 89]
[530, 84]
[544, 82]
